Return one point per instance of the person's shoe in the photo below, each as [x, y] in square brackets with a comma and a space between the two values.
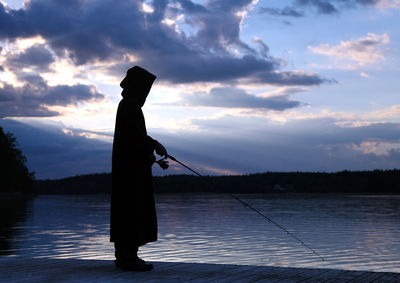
[133, 265]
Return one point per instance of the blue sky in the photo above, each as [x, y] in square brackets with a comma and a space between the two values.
[242, 86]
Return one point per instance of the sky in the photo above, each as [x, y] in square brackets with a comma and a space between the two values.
[243, 86]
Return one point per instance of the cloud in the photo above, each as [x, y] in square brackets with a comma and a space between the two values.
[228, 97]
[378, 148]
[51, 153]
[330, 7]
[293, 78]
[362, 51]
[298, 8]
[35, 95]
[322, 6]
[181, 41]
[286, 12]
[392, 4]
[365, 75]
[37, 57]
[264, 49]
[226, 69]
[299, 145]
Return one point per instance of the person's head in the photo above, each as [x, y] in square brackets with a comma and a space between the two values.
[137, 84]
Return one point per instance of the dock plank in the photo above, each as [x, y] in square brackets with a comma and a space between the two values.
[283, 274]
[299, 275]
[236, 273]
[329, 275]
[21, 269]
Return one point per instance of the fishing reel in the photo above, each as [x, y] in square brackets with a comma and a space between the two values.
[163, 163]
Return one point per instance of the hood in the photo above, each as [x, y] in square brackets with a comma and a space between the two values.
[137, 84]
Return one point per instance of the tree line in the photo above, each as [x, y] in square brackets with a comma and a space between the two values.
[14, 175]
[369, 182]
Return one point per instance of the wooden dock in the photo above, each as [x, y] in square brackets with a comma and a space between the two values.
[20, 269]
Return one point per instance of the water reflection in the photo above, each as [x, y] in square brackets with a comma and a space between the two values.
[13, 211]
[351, 232]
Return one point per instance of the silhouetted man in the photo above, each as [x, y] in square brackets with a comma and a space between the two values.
[133, 213]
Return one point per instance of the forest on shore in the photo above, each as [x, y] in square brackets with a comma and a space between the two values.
[357, 182]
[14, 175]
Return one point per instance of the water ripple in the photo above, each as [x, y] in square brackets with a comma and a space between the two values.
[350, 232]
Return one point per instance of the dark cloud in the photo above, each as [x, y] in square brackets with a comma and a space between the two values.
[51, 153]
[192, 8]
[333, 6]
[287, 12]
[37, 56]
[223, 69]
[289, 78]
[31, 99]
[324, 7]
[209, 69]
[14, 23]
[106, 29]
[237, 98]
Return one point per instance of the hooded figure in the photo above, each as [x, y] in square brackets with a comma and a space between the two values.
[133, 214]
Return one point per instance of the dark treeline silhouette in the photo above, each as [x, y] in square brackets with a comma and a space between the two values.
[14, 175]
[15, 190]
[368, 182]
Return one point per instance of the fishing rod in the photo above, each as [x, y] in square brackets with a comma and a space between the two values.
[247, 205]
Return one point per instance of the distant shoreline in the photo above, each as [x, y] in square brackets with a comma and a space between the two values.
[15, 195]
[377, 182]
[218, 193]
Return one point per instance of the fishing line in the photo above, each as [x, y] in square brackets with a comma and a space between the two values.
[249, 206]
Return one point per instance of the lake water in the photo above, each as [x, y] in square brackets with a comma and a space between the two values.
[350, 232]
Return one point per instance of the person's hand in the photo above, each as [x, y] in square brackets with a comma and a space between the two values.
[160, 149]
[163, 164]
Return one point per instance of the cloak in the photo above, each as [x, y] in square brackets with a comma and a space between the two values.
[133, 214]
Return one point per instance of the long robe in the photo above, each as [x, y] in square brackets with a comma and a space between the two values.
[133, 214]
